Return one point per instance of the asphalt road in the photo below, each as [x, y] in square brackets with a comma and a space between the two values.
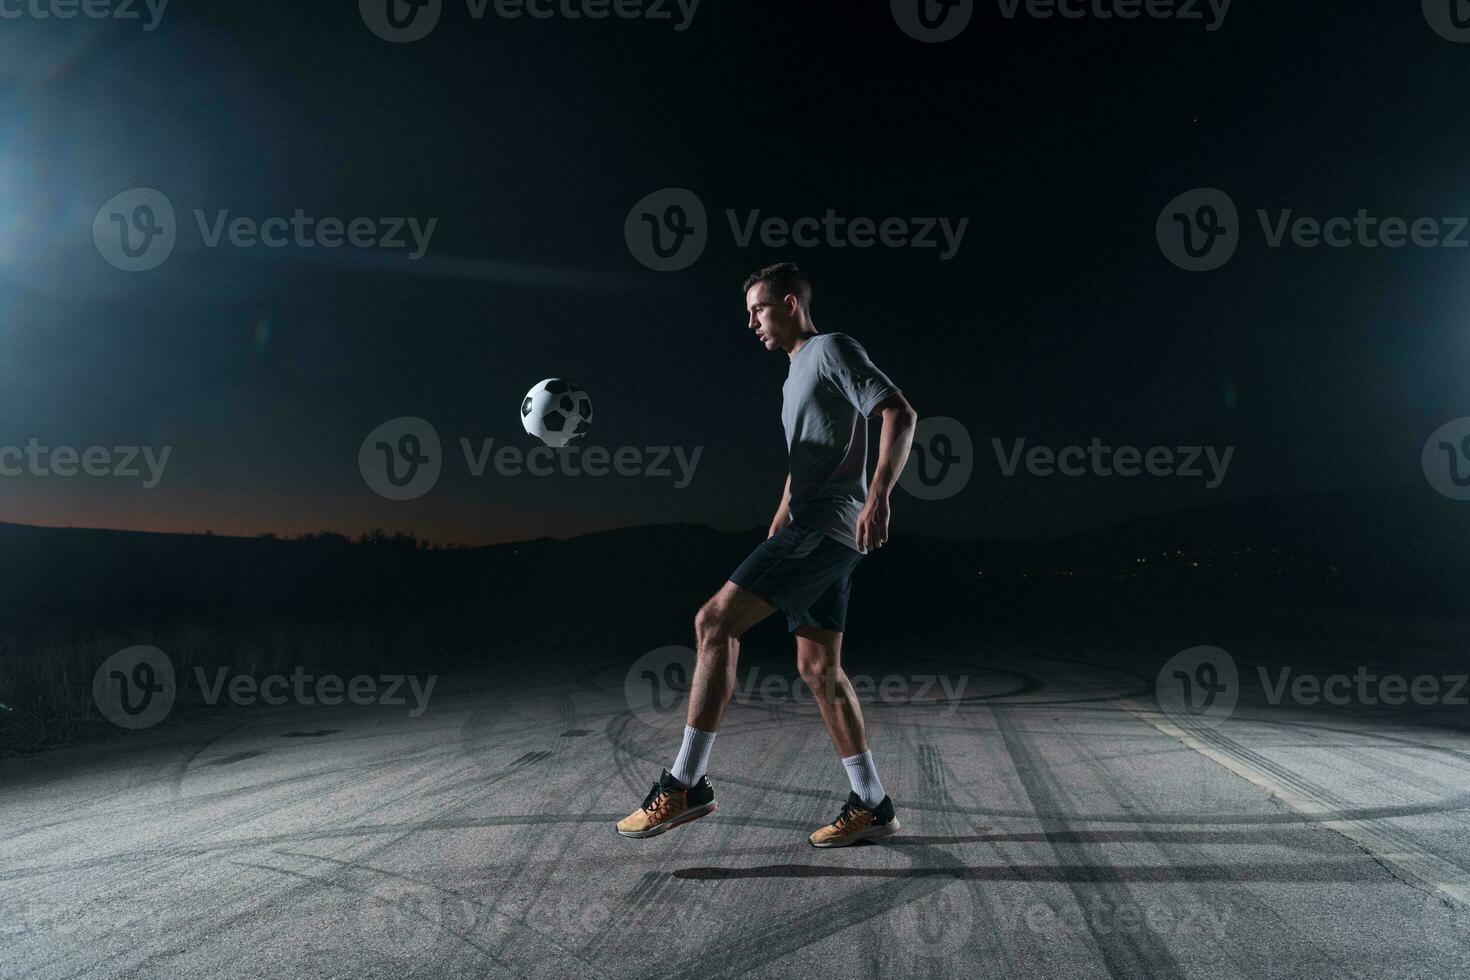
[1056, 824]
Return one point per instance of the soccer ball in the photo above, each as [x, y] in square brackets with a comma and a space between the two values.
[556, 412]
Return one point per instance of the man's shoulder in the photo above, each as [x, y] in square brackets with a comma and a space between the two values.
[837, 341]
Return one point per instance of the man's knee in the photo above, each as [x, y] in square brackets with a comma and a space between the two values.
[819, 671]
[712, 623]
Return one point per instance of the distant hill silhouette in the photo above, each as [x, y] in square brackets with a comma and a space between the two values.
[1351, 564]
[1394, 550]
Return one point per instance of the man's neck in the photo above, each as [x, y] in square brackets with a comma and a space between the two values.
[806, 334]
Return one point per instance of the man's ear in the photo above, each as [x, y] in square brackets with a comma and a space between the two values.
[792, 303]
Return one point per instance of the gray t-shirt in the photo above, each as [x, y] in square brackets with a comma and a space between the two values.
[830, 391]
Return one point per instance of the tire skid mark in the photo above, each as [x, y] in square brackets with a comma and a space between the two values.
[742, 949]
[1125, 956]
[1392, 848]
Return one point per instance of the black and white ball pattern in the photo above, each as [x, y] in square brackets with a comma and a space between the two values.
[556, 412]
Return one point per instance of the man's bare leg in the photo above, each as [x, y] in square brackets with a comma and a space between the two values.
[682, 794]
[717, 631]
[819, 661]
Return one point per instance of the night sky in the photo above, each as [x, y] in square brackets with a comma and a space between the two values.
[1058, 320]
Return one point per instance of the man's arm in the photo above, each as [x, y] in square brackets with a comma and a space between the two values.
[783, 512]
[899, 419]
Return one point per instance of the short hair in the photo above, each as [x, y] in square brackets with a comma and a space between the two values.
[786, 279]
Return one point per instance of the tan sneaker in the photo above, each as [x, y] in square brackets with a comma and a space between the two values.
[667, 806]
[855, 823]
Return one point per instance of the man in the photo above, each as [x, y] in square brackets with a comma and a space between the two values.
[828, 519]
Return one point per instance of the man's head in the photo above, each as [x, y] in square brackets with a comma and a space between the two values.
[778, 299]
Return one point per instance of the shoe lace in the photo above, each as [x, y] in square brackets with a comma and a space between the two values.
[850, 815]
[657, 801]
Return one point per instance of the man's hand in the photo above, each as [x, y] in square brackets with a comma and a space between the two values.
[872, 523]
[783, 512]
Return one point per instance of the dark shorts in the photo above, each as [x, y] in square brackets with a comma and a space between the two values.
[804, 574]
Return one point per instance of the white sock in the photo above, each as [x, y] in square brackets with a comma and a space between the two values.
[864, 778]
[693, 758]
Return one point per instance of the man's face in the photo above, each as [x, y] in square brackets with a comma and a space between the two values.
[772, 318]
